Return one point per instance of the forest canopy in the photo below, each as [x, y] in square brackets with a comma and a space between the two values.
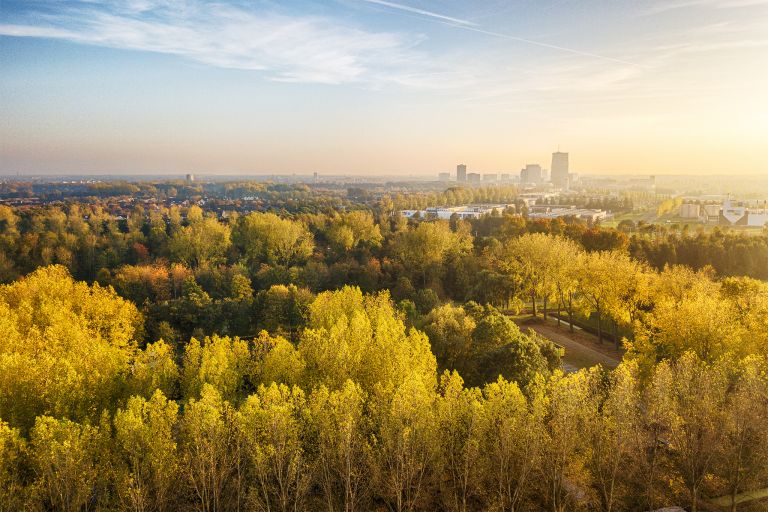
[358, 361]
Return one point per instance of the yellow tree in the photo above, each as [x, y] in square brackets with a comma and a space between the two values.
[564, 478]
[459, 422]
[154, 368]
[267, 238]
[204, 240]
[601, 283]
[406, 443]
[221, 362]
[343, 448]
[615, 433]
[511, 445]
[12, 456]
[540, 261]
[694, 421]
[64, 456]
[743, 464]
[211, 454]
[272, 426]
[66, 348]
[147, 448]
[362, 338]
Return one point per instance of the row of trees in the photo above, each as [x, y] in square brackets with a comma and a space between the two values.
[353, 416]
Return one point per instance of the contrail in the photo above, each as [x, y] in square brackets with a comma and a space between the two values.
[468, 25]
[547, 45]
[423, 12]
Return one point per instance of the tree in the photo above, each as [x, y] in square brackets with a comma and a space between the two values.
[500, 348]
[65, 350]
[154, 368]
[706, 325]
[363, 338]
[220, 362]
[450, 329]
[614, 410]
[13, 452]
[203, 241]
[744, 460]
[406, 443]
[272, 426]
[422, 250]
[266, 238]
[564, 478]
[147, 449]
[285, 309]
[343, 448]
[211, 453]
[694, 419]
[512, 435]
[64, 460]
[538, 259]
[459, 423]
[349, 230]
[600, 283]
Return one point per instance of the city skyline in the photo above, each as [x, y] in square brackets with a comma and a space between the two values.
[377, 87]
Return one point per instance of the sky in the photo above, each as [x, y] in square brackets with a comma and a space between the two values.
[382, 87]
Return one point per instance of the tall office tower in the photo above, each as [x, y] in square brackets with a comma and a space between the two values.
[531, 174]
[559, 175]
[461, 172]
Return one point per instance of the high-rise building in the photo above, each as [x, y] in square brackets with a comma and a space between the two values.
[461, 172]
[531, 174]
[444, 176]
[473, 177]
[559, 175]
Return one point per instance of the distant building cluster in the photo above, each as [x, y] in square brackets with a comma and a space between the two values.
[461, 212]
[726, 214]
[531, 175]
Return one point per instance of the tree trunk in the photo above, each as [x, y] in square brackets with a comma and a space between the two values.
[558, 313]
[545, 308]
[533, 303]
[570, 311]
[599, 327]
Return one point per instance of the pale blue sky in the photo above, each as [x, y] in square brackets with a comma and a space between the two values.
[373, 86]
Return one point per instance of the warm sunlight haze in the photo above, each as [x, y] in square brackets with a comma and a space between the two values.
[383, 256]
[371, 86]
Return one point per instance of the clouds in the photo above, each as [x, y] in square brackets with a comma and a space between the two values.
[285, 47]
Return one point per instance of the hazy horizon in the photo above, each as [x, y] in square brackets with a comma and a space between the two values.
[372, 87]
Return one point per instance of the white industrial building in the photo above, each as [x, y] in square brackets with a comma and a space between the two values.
[559, 211]
[740, 215]
[462, 212]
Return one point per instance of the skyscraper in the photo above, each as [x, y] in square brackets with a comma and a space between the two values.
[531, 174]
[461, 172]
[559, 173]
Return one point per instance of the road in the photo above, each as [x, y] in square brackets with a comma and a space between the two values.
[578, 354]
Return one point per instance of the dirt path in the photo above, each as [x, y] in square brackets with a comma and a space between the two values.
[581, 351]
